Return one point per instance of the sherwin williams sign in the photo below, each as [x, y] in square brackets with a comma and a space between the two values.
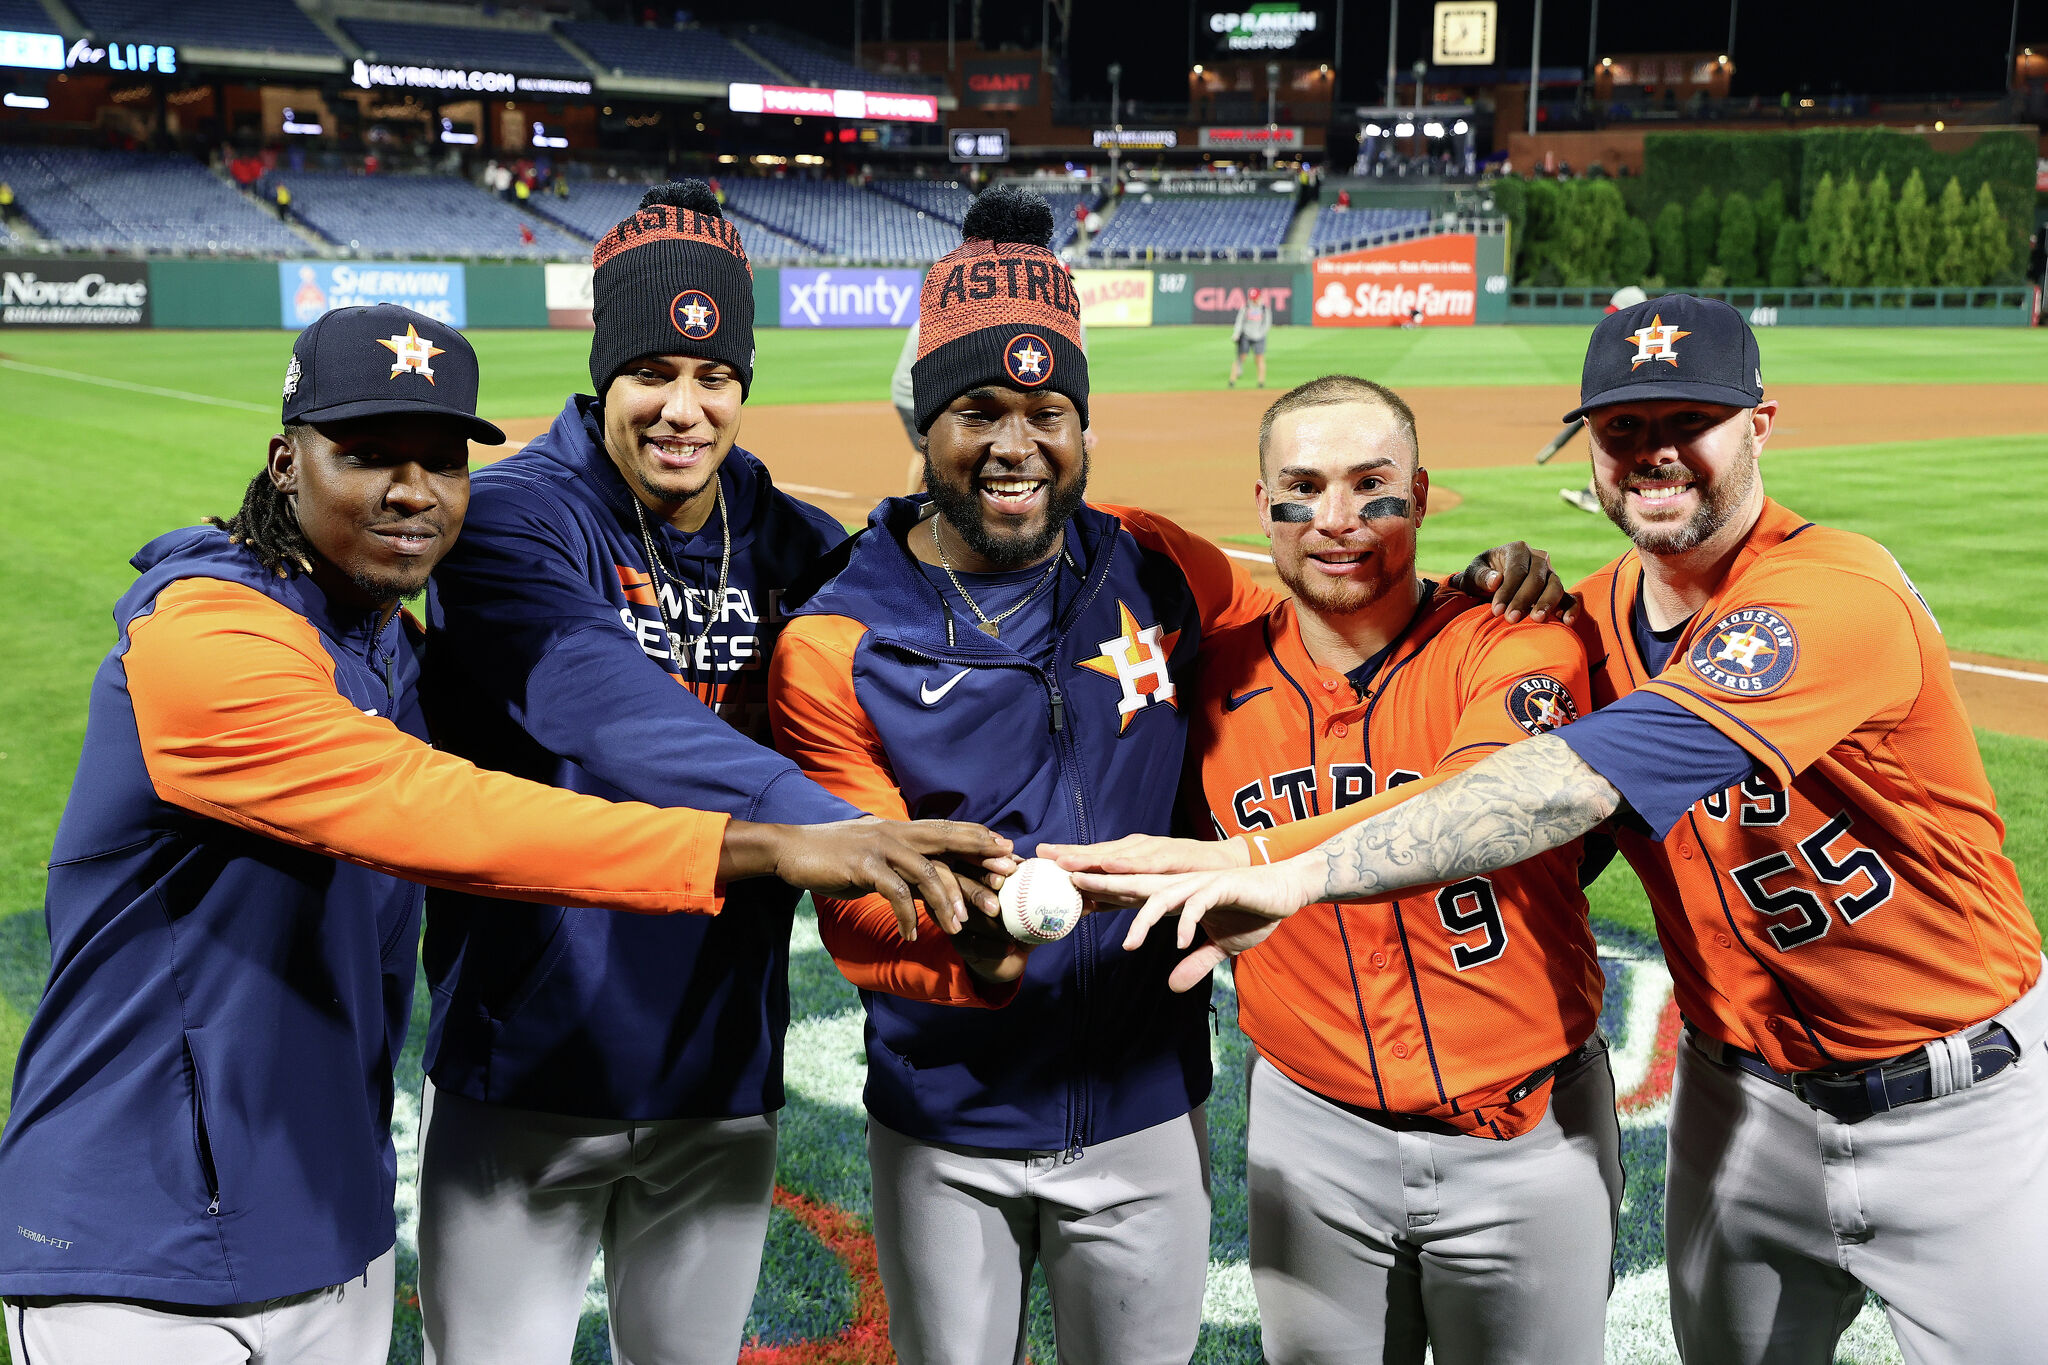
[306, 289]
[1388, 285]
[850, 298]
[1114, 298]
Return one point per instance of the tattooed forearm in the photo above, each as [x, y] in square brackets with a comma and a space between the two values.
[1527, 799]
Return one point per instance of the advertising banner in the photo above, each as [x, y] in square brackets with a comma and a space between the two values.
[1271, 27]
[1114, 298]
[999, 83]
[46, 293]
[1386, 286]
[850, 298]
[1256, 136]
[569, 294]
[747, 98]
[306, 289]
[1218, 294]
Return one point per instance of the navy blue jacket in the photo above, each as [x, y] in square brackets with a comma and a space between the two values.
[202, 1103]
[545, 658]
[881, 689]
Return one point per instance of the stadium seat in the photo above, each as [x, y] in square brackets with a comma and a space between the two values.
[243, 25]
[420, 215]
[137, 201]
[594, 207]
[505, 49]
[1335, 231]
[681, 54]
[1238, 226]
[836, 219]
[814, 66]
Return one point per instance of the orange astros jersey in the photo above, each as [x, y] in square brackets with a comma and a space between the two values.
[1850, 902]
[1443, 1000]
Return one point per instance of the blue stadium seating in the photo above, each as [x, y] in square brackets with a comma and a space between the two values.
[682, 54]
[1334, 229]
[135, 201]
[595, 206]
[249, 25]
[1178, 226]
[1062, 202]
[811, 66]
[947, 199]
[494, 49]
[841, 220]
[25, 16]
[422, 215]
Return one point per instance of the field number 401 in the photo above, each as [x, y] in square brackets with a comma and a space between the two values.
[1811, 919]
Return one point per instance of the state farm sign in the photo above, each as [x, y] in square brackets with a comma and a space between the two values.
[1387, 285]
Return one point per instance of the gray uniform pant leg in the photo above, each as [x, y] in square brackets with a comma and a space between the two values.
[1779, 1216]
[1370, 1241]
[1123, 1233]
[344, 1324]
[514, 1206]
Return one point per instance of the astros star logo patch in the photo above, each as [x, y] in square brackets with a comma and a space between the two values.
[1748, 652]
[1136, 658]
[1028, 359]
[1540, 703]
[411, 352]
[695, 314]
[1657, 342]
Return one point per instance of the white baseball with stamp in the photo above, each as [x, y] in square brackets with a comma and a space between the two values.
[1039, 902]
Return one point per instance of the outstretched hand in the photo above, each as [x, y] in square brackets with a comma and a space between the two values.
[1149, 853]
[905, 861]
[1519, 581]
[1237, 909]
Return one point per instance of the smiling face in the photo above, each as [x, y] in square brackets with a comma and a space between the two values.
[1007, 470]
[669, 421]
[1339, 464]
[380, 499]
[1675, 474]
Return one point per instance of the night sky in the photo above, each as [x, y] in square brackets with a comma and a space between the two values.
[1881, 48]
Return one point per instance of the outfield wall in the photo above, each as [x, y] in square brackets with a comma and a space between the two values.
[1449, 280]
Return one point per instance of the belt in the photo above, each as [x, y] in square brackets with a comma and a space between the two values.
[1939, 1068]
[1421, 1123]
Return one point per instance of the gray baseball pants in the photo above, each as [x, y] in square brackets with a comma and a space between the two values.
[1779, 1216]
[344, 1324]
[515, 1204]
[1371, 1240]
[1122, 1231]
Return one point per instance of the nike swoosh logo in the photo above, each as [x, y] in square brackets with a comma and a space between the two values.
[1231, 703]
[932, 697]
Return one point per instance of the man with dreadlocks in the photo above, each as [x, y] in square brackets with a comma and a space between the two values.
[199, 1160]
[605, 626]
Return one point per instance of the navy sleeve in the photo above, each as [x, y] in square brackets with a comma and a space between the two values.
[519, 616]
[1659, 756]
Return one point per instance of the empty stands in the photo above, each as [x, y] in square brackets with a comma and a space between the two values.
[813, 66]
[1334, 230]
[133, 201]
[497, 49]
[680, 54]
[244, 25]
[841, 220]
[1197, 225]
[420, 215]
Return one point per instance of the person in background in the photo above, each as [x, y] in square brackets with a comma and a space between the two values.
[1248, 333]
[282, 197]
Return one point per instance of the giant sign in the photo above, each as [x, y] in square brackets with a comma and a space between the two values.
[999, 83]
[1218, 294]
[47, 293]
[887, 106]
[850, 298]
[1386, 286]
[306, 289]
[1275, 26]
[1114, 298]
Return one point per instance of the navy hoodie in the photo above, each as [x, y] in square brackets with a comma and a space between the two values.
[545, 658]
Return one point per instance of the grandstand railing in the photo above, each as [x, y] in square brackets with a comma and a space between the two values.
[1765, 306]
[1303, 254]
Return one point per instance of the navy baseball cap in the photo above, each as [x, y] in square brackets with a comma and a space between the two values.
[1677, 346]
[383, 360]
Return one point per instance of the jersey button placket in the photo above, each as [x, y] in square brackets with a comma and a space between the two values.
[1401, 1051]
[1379, 960]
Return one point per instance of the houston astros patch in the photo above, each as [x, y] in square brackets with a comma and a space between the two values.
[1748, 652]
[1539, 703]
[695, 314]
[1028, 359]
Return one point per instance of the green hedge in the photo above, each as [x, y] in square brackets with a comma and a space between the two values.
[1677, 166]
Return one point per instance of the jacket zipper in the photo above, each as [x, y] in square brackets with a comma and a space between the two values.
[389, 658]
[202, 1141]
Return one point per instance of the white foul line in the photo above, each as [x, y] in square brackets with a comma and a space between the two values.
[150, 389]
[1252, 555]
[812, 491]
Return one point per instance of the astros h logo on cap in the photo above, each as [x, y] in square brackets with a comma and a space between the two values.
[695, 314]
[1657, 341]
[1028, 358]
[412, 353]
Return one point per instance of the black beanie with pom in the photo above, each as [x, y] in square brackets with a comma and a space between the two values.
[999, 310]
[672, 280]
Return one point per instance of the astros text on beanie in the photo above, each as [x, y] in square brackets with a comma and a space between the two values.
[672, 279]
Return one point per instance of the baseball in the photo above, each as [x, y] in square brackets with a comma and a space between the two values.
[1039, 901]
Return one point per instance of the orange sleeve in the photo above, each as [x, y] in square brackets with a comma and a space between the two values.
[820, 726]
[1805, 655]
[1224, 592]
[240, 720]
[1519, 680]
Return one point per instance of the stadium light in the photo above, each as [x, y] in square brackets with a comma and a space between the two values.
[1404, 130]
[1432, 130]
[1607, 61]
[15, 101]
[1461, 127]
[1198, 68]
[1372, 130]
[1939, 126]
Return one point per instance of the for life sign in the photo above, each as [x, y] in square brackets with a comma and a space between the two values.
[1386, 286]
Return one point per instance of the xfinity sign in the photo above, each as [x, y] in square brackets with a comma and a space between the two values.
[850, 298]
[1263, 28]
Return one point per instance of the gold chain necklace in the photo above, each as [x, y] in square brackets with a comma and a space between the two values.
[658, 571]
[989, 624]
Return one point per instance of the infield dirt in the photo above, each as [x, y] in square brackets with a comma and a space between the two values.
[1190, 456]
